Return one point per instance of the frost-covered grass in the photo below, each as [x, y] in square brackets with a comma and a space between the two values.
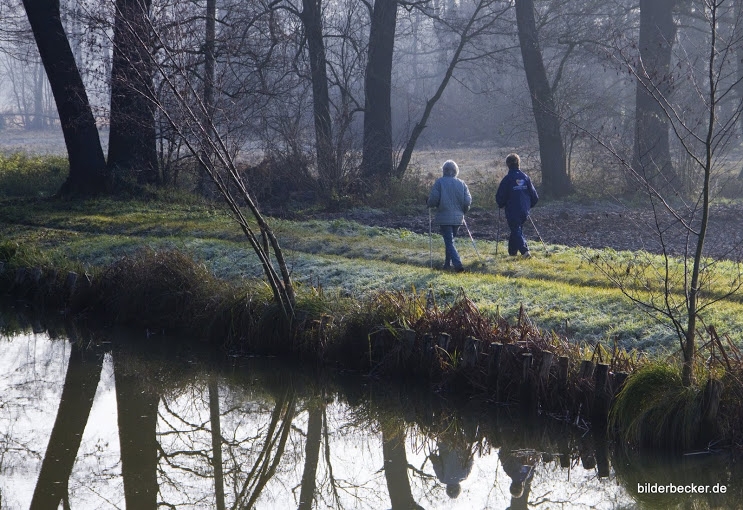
[561, 288]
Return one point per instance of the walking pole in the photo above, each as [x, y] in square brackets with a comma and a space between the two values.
[471, 238]
[539, 236]
[430, 242]
[497, 235]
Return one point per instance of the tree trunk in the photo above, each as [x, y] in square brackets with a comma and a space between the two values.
[376, 160]
[132, 151]
[206, 186]
[39, 78]
[555, 180]
[312, 22]
[87, 164]
[652, 156]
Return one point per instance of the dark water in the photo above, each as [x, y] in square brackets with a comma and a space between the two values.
[88, 424]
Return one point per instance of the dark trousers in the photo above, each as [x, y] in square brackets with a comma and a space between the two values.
[516, 241]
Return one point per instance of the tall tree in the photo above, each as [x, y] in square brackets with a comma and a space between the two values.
[469, 48]
[677, 288]
[652, 156]
[311, 17]
[87, 164]
[738, 42]
[376, 159]
[555, 180]
[132, 148]
[210, 47]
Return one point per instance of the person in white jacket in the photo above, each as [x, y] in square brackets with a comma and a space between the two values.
[451, 198]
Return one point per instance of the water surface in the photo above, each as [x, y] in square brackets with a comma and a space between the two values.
[109, 420]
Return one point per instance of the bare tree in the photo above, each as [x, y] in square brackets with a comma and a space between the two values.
[311, 17]
[131, 143]
[654, 87]
[376, 161]
[555, 181]
[188, 116]
[471, 32]
[87, 164]
[679, 290]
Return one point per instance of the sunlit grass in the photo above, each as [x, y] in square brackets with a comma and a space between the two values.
[23, 175]
[563, 289]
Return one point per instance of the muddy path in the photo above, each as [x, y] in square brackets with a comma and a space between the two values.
[600, 225]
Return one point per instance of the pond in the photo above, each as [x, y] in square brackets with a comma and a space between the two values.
[99, 420]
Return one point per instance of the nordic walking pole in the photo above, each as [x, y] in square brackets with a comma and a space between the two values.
[430, 242]
[539, 236]
[471, 238]
[497, 234]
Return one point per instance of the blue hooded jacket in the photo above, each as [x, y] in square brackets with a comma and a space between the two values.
[517, 195]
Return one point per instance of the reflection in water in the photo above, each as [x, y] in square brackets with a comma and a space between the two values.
[83, 373]
[519, 465]
[215, 419]
[145, 426]
[311, 455]
[137, 401]
[396, 465]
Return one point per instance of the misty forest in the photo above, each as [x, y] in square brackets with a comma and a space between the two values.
[333, 99]
[257, 176]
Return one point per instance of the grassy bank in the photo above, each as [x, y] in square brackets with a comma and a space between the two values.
[562, 289]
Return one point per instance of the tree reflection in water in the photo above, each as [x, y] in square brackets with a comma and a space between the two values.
[396, 465]
[137, 401]
[80, 384]
[261, 435]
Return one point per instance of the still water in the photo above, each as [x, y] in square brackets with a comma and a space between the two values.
[110, 421]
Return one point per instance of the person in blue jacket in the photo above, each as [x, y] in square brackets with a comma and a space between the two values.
[452, 199]
[517, 195]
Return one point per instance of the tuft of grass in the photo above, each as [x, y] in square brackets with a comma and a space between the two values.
[655, 410]
[155, 289]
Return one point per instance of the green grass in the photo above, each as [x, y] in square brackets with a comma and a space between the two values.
[23, 175]
[563, 289]
[655, 409]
